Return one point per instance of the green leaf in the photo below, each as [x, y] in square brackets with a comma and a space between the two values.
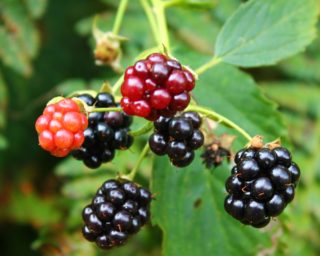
[189, 209]
[309, 104]
[86, 186]
[235, 95]
[3, 101]
[263, 32]
[36, 7]
[11, 54]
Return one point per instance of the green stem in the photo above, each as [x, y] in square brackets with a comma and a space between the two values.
[134, 171]
[143, 130]
[162, 23]
[172, 3]
[113, 109]
[151, 18]
[214, 61]
[217, 117]
[119, 17]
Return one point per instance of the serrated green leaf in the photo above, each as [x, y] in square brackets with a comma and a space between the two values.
[263, 32]
[235, 95]
[189, 209]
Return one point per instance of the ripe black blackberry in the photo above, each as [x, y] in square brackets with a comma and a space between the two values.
[119, 209]
[106, 132]
[177, 137]
[261, 185]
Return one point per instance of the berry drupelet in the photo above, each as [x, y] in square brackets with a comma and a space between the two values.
[177, 137]
[118, 210]
[156, 86]
[107, 132]
[261, 185]
[60, 127]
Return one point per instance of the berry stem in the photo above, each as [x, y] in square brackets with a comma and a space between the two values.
[214, 61]
[162, 24]
[119, 17]
[220, 118]
[135, 169]
[112, 109]
[143, 130]
[151, 18]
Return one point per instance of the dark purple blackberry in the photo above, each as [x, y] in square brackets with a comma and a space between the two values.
[119, 209]
[180, 128]
[107, 132]
[234, 185]
[177, 137]
[158, 144]
[235, 207]
[261, 185]
[184, 161]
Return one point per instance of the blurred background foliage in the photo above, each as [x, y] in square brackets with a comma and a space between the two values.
[46, 49]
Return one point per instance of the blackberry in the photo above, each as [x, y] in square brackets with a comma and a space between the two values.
[118, 210]
[156, 86]
[177, 137]
[261, 184]
[106, 133]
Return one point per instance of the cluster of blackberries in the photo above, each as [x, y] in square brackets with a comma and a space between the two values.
[261, 185]
[156, 86]
[107, 131]
[119, 209]
[177, 137]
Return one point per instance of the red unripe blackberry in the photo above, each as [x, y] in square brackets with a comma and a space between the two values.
[60, 127]
[156, 86]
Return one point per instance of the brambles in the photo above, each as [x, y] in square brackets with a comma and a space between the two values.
[177, 137]
[107, 132]
[61, 127]
[156, 86]
[118, 210]
[261, 185]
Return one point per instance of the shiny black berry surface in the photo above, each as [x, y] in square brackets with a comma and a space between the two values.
[261, 185]
[106, 133]
[118, 210]
[177, 137]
